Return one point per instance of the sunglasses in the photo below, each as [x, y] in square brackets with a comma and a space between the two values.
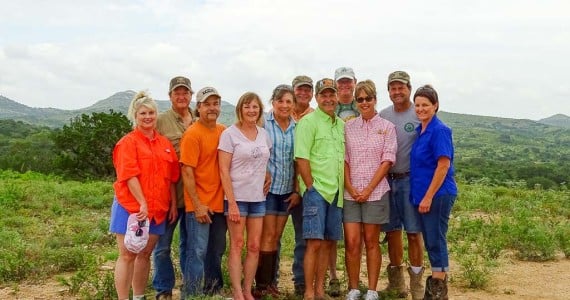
[139, 231]
[362, 99]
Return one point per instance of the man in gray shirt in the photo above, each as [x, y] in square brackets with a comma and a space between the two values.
[403, 215]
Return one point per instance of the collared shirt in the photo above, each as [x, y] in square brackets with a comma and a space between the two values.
[281, 160]
[368, 145]
[171, 125]
[320, 140]
[298, 117]
[154, 163]
[436, 141]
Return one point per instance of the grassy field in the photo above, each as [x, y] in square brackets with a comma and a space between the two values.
[50, 227]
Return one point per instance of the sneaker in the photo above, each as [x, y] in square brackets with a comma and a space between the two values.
[353, 294]
[334, 288]
[371, 295]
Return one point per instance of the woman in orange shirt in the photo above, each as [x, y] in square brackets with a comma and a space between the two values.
[147, 170]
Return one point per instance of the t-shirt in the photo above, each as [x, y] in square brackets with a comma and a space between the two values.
[347, 111]
[199, 150]
[436, 141]
[406, 123]
[249, 162]
[154, 163]
[320, 140]
[368, 145]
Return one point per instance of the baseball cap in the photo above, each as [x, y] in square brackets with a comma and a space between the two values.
[323, 84]
[206, 92]
[344, 72]
[136, 236]
[180, 81]
[302, 80]
[399, 76]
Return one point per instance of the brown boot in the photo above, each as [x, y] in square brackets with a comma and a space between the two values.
[416, 284]
[436, 289]
[396, 283]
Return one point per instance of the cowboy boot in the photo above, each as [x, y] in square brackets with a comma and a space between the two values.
[416, 284]
[436, 289]
[396, 281]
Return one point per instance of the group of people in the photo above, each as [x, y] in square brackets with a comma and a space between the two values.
[342, 167]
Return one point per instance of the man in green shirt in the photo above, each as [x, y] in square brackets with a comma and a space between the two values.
[319, 152]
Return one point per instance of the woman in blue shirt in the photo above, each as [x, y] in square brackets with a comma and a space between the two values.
[433, 189]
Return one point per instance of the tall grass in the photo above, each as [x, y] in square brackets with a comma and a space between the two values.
[49, 226]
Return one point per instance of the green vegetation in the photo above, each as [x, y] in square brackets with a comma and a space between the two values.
[50, 226]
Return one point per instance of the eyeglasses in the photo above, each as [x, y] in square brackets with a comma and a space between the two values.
[139, 231]
[362, 99]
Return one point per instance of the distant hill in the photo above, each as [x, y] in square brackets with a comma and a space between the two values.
[559, 120]
[52, 117]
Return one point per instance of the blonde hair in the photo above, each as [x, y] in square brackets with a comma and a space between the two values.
[367, 86]
[247, 98]
[142, 98]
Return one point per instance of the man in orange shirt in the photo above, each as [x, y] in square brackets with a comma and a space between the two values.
[203, 198]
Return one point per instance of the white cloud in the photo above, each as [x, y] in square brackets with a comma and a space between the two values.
[505, 58]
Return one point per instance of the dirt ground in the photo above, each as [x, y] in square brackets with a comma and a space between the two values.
[512, 280]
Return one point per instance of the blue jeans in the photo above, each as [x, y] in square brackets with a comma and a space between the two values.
[402, 213]
[163, 279]
[435, 224]
[213, 278]
[206, 245]
[300, 245]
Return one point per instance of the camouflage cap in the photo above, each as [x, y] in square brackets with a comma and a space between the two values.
[323, 84]
[180, 81]
[344, 72]
[302, 80]
[400, 76]
[206, 92]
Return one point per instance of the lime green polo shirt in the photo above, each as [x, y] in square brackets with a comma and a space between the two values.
[320, 140]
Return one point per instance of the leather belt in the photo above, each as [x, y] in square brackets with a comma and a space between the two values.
[398, 175]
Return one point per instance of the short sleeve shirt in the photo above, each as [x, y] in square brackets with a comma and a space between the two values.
[320, 140]
[154, 163]
[281, 161]
[199, 150]
[406, 123]
[436, 141]
[368, 145]
[249, 162]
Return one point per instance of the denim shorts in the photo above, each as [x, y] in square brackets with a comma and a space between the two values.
[402, 213]
[321, 220]
[369, 212]
[119, 217]
[276, 205]
[248, 209]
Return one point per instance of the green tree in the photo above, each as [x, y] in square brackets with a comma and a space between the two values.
[84, 147]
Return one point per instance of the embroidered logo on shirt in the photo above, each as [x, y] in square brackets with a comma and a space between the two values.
[409, 127]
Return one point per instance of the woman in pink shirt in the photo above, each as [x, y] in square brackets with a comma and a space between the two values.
[370, 152]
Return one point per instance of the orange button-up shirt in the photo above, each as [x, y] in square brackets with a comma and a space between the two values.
[154, 163]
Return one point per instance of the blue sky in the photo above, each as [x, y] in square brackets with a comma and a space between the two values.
[500, 58]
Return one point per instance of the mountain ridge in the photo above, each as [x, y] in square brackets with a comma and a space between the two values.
[54, 117]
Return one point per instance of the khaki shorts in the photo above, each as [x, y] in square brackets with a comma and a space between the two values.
[369, 212]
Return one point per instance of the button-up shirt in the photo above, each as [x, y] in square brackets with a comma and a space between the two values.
[368, 145]
[320, 140]
[281, 161]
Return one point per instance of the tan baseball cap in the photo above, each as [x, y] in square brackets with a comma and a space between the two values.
[206, 92]
[399, 76]
[302, 80]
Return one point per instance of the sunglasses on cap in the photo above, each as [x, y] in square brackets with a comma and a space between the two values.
[139, 231]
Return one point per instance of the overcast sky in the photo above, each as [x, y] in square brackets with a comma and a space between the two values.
[494, 58]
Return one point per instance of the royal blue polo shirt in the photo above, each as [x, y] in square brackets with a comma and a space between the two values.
[436, 141]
